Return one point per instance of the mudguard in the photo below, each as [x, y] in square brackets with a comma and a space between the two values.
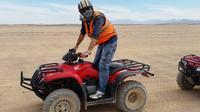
[63, 75]
[122, 76]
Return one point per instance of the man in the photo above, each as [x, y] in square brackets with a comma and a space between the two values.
[101, 33]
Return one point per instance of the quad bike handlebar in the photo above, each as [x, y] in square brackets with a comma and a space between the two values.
[72, 57]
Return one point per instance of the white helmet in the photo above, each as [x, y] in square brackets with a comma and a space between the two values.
[84, 4]
[85, 8]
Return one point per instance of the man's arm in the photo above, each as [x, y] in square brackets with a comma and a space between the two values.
[92, 44]
[80, 39]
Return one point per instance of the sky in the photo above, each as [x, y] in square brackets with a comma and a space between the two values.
[66, 11]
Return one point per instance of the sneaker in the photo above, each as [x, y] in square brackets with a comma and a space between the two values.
[97, 95]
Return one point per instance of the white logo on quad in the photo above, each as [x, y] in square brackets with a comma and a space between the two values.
[77, 67]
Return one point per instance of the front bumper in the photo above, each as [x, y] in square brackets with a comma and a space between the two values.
[188, 71]
[25, 82]
[40, 72]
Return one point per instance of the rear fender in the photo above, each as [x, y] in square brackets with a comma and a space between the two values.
[119, 80]
[122, 76]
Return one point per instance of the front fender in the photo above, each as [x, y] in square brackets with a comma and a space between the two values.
[63, 75]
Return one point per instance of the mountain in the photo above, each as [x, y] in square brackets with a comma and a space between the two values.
[170, 21]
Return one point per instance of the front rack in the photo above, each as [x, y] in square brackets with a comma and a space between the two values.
[50, 68]
[192, 60]
[48, 65]
[135, 66]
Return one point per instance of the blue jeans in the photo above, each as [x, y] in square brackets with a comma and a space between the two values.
[103, 59]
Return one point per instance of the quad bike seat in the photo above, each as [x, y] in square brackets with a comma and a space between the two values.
[114, 67]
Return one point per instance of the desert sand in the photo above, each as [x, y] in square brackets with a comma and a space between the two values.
[25, 47]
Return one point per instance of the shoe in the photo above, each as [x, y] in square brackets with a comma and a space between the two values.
[97, 95]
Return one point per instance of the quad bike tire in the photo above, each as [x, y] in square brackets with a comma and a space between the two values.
[183, 83]
[131, 96]
[35, 82]
[62, 100]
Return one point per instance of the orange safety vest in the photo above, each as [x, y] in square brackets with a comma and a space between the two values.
[106, 32]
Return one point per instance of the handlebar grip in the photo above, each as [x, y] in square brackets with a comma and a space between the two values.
[79, 55]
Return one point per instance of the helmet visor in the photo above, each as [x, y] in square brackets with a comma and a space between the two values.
[84, 10]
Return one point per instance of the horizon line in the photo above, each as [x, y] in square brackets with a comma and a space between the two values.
[114, 24]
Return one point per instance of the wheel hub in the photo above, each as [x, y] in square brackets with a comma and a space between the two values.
[132, 97]
[135, 98]
[62, 106]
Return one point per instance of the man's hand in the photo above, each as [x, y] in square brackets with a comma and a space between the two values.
[85, 54]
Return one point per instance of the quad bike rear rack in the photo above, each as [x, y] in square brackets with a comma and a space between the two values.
[136, 67]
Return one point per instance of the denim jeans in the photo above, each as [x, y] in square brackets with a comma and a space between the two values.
[103, 59]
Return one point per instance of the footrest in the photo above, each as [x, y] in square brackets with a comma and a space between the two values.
[101, 101]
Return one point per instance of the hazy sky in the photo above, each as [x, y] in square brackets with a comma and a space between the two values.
[65, 11]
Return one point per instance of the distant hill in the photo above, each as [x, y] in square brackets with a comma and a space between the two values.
[127, 22]
[171, 21]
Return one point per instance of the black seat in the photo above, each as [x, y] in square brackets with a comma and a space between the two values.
[115, 67]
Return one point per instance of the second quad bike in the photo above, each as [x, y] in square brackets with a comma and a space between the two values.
[189, 72]
[66, 87]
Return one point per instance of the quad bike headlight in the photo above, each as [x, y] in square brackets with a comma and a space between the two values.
[182, 64]
[198, 69]
[180, 68]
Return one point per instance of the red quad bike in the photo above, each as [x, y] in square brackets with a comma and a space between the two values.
[66, 87]
[189, 72]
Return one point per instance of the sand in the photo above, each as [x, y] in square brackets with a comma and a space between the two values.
[161, 46]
